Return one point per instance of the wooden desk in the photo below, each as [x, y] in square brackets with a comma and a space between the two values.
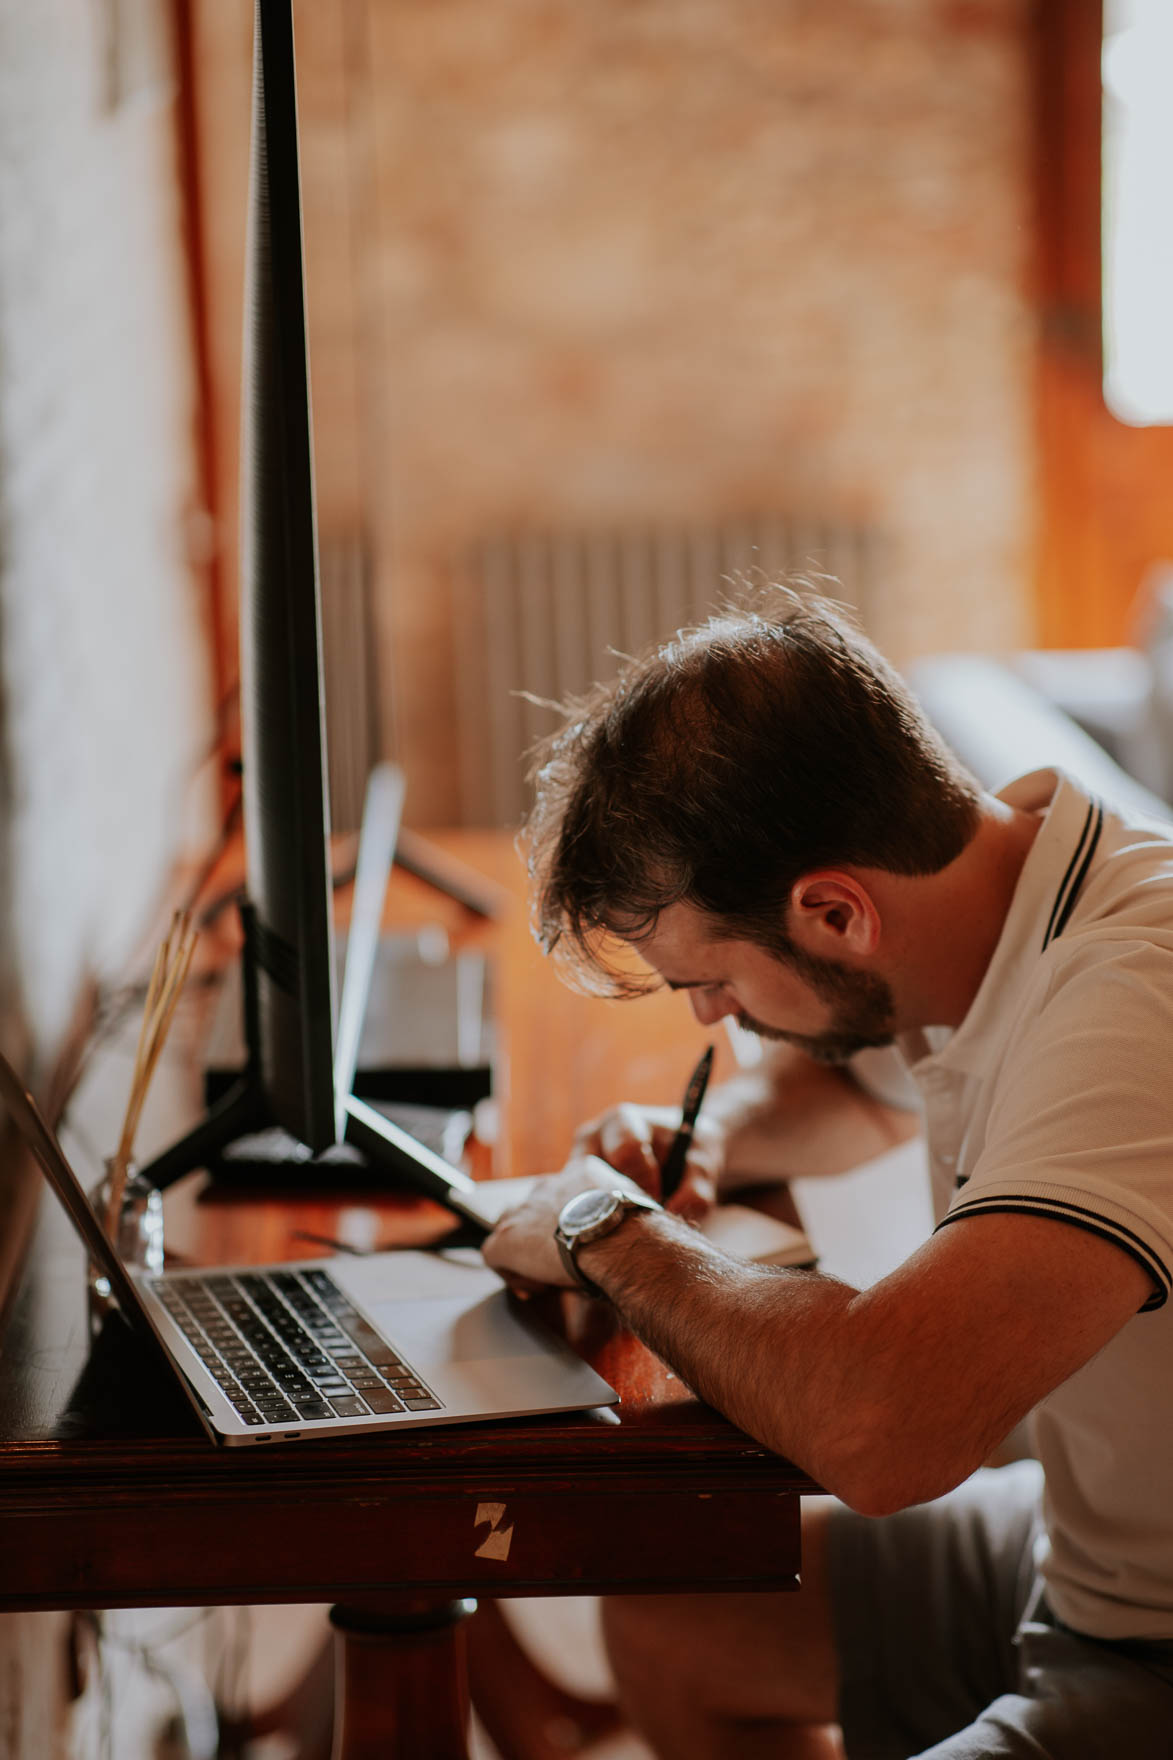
[112, 1495]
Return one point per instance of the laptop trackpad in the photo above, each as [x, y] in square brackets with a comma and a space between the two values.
[459, 1276]
[450, 1316]
[441, 1308]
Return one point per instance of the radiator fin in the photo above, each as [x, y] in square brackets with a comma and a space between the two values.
[546, 613]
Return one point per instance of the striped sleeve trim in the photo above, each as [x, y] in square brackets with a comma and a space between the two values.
[1091, 1220]
[1077, 870]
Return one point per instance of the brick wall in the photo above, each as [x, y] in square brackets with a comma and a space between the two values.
[676, 260]
[668, 261]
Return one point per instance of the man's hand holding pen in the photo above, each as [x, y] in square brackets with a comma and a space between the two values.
[643, 1147]
[651, 1143]
[635, 1140]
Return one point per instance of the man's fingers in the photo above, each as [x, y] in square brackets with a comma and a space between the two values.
[515, 1241]
[695, 1197]
[625, 1142]
[706, 1152]
[586, 1141]
[635, 1141]
[523, 1287]
[622, 1138]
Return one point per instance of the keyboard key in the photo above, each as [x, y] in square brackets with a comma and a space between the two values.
[349, 1406]
[314, 1408]
[342, 1308]
[382, 1400]
[423, 1405]
[383, 1358]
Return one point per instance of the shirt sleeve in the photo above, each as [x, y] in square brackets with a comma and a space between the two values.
[1081, 1123]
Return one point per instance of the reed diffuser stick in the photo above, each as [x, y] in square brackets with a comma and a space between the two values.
[168, 974]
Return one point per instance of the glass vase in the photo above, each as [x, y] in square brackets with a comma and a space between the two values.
[138, 1236]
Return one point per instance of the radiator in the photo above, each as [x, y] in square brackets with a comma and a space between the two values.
[546, 613]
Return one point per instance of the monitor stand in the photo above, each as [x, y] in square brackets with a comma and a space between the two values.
[244, 1109]
[443, 872]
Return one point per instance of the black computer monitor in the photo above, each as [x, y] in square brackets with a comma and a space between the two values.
[286, 800]
[291, 1078]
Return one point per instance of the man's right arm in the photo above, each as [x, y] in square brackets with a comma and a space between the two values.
[887, 1396]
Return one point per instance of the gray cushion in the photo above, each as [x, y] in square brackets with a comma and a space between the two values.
[1001, 728]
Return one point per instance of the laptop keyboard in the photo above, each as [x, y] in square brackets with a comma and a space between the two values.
[287, 1347]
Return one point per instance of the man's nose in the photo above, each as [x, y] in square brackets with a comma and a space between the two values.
[710, 1006]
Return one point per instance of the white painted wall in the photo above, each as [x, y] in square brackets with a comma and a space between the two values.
[102, 662]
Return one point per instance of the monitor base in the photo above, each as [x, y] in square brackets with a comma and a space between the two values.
[271, 1159]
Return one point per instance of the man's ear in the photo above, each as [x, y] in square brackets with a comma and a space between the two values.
[833, 914]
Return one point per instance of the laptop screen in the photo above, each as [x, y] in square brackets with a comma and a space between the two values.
[27, 1117]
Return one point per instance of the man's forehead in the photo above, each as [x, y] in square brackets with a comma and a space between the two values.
[682, 945]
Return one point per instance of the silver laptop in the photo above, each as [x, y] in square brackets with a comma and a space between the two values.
[279, 1353]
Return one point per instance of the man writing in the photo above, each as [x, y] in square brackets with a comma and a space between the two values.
[761, 813]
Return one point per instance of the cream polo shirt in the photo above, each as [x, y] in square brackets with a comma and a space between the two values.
[1054, 1097]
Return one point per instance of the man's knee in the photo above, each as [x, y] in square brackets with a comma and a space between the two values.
[655, 1637]
[734, 1655]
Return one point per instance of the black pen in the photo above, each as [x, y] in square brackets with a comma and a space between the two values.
[672, 1171]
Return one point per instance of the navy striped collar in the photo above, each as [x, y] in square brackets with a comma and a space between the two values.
[1076, 872]
[1048, 890]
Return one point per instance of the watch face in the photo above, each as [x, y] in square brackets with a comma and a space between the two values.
[587, 1209]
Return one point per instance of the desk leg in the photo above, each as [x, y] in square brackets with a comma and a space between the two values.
[401, 1681]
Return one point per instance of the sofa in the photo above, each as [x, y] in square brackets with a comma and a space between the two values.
[1006, 718]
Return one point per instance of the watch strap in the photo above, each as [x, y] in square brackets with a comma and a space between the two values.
[581, 1280]
[568, 1243]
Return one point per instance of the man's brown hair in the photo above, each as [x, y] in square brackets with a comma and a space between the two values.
[722, 766]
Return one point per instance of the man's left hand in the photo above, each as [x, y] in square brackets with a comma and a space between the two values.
[522, 1248]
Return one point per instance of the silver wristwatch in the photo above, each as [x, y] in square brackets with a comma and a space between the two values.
[588, 1218]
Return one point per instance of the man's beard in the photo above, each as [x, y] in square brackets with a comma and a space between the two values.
[863, 1010]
